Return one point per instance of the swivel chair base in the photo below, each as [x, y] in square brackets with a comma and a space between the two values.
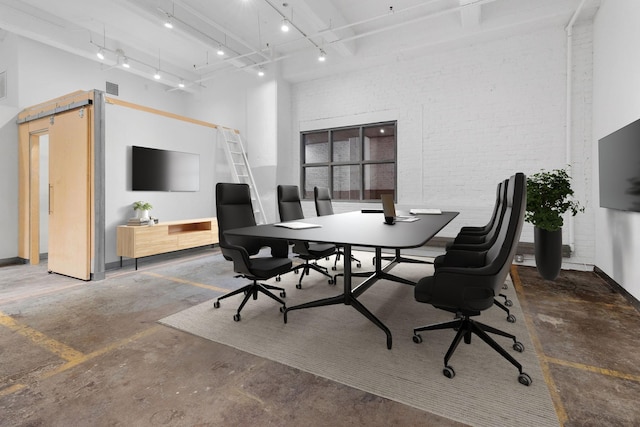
[251, 290]
[466, 327]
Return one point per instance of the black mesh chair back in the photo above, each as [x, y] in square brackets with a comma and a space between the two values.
[322, 200]
[290, 209]
[289, 205]
[235, 210]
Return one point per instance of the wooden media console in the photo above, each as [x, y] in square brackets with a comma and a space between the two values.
[140, 241]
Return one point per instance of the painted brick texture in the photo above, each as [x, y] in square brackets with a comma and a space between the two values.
[470, 117]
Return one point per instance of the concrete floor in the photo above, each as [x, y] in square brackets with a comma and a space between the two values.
[78, 353]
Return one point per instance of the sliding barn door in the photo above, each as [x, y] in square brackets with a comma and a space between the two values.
[70, 193]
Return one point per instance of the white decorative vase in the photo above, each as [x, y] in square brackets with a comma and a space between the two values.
[143, 214]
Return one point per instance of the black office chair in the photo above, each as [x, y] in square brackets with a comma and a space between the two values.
[481, 238]
[290, 209]
[234, 210]
[484, 229]
[467, 291]
[324, 207]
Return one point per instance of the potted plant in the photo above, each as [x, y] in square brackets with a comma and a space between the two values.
[548, 199]
[142, 209]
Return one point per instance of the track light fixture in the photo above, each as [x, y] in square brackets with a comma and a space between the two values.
[125, 62]
[322, 56]
[100, 54]
[285, 26]
[181, 84]
[168, 24]
[157, 75]
[260, 72]
[220, 51]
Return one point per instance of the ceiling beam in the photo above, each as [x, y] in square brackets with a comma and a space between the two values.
[470, 14]
[324, 16]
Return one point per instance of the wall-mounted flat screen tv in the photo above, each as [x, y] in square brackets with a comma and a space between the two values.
[619, 166]
[163, 170]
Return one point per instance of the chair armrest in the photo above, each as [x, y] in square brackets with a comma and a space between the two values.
[469, 239]
[469, 288]
[239, 256]
[461, 258]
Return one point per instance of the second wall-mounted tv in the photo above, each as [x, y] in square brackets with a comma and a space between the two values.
[153, 169]
[619, 165]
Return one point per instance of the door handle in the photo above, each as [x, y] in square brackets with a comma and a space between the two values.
[50, 199]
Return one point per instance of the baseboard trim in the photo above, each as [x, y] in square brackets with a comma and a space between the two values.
[12, 261]
[616, 286]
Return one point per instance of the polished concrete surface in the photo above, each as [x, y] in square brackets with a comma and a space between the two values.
[76, 353]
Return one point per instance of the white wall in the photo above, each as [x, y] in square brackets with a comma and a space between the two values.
[616, 104]
[125, 127]
[37, 73]
[468, 118]
[9, 149]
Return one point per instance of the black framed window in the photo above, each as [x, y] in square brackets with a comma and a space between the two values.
[356, 163]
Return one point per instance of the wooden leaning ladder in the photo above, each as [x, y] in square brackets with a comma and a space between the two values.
[240, 170]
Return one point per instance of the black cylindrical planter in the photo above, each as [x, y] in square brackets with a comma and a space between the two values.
[548, 248]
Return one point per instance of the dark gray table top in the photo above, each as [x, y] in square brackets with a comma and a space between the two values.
[357, 229]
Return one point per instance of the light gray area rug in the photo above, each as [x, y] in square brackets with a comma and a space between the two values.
[340, 344]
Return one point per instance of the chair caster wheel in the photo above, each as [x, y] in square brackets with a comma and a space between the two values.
[295, 271]
[359, 265]
[283, 294]
[417, 338]
[330, 281]
[298, 286]
[448, 372]
[283, 309]
[511, 318]
[508, 303]
[505, 286]
[334, 268]
[278, 279]
[518, 346]
[236, 317]
[216, 304]
[524, 379]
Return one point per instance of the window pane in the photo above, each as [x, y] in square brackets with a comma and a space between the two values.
[346, 145]
[315, 176]
[380, 143]
[346, 182]
[316, 147]
[379, 179]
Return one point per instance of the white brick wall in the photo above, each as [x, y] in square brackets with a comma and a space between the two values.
[468, 118]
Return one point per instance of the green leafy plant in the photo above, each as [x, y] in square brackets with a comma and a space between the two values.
[142, 206]
[548, 198]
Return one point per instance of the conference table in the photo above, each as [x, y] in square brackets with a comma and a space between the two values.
[355, 229]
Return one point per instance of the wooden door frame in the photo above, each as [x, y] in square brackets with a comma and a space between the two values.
[34, 120]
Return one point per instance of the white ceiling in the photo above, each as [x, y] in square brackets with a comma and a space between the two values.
[353, 33]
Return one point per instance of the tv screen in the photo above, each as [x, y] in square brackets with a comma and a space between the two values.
[163, 170]
[619, 165]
